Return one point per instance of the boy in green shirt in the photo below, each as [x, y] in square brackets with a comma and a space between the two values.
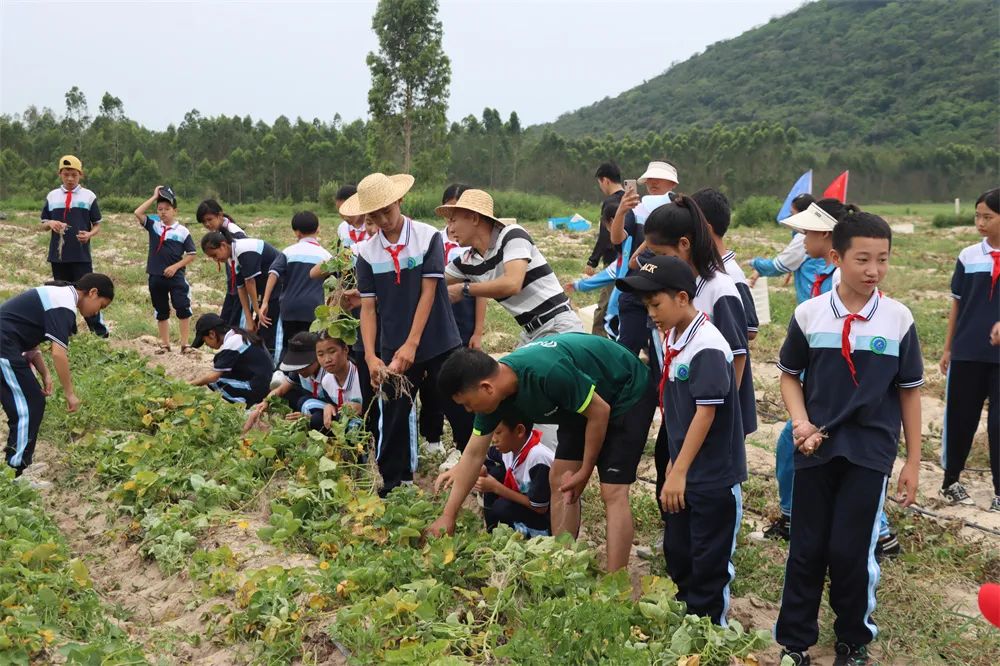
[597, 392]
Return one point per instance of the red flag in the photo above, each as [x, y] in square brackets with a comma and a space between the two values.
[837, 189]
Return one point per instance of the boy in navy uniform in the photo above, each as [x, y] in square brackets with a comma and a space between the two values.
[73, 217]
[171, 249]
[300, 293]
[971, 357]
[863, 369]
[242, 369]
[701, 498]
[404, 301]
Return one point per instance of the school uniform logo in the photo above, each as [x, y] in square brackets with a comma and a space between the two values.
[411, 262]
[878, 345]
[683, 373]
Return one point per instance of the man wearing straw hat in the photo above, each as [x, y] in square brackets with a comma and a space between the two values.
[401, 269]
[505, 264]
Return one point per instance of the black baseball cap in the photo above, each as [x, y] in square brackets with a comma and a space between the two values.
[301, 352]
[659, 274]
[167, 194]
[206, 322]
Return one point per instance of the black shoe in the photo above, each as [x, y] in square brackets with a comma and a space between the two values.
[851, 655]
[887, 546]
[779, 529]
[798, 658]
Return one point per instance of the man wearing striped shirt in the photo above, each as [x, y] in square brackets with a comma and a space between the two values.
[504, 264]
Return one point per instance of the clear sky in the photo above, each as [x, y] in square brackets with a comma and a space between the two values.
[537, 57]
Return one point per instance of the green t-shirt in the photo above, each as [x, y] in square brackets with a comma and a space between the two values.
[557, 377]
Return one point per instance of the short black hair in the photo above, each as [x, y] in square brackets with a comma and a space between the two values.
[991, 198]
[857, 224]
[453, 192]
[835, 208]
[305, 222]
[716, 209]
[801, 202]
[172, 204]
[464, 369]
[610, 171]
[345, 192]
[512, 421]
[325, 335]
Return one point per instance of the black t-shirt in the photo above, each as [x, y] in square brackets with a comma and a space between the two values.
[604, 250]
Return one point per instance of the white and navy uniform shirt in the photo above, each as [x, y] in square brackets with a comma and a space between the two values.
[236, 232]
[396, 284]
[735, 271]
[316, 397]
[252, 259]
[83, 214]
[167, 245]
[701, 373]
[532, 474]
[540, 292]
[978, 305]
[42, 313]
[720, 300]
[242, 364]
[465, 309]
[350, 236]
[300, 294]
[859, 409]
[348, 392]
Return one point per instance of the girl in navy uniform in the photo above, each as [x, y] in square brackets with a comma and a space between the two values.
[211, 216]
[249, 261]
[340, 381]
[36, 315]
[241, 369]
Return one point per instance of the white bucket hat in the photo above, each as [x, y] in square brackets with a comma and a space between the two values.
[376, 191]
[812, 218]
[661, 170]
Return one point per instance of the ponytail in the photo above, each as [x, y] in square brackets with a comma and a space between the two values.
[682, 218]
[835, 208]
[248, 337]
[102, 283]
[213, 240]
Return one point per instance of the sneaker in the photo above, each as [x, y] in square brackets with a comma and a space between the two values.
[887, 546]
[780, 529]
[851, 655]
[432, 448]
[995, 504]
[797, 658]
[277, 379]
[37, 484]
[451, 460]
[956, 494]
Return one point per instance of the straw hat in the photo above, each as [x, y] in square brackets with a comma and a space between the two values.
[475, 200]
[661, 170]
[377, 191]
[812, 218]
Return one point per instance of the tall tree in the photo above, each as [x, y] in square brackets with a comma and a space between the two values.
[408, 99]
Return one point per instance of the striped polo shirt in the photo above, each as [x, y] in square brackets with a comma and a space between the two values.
[540, 292]
[43, 313]
[977, 310]
[83, 214]
[701, 373]
[300, 294]
[735, 271]
[166, 249]
[396, 285]
[863, 419]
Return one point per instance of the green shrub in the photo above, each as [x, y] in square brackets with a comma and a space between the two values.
[115, 204]
[328, 195]
[756, 211]
[525, 207]
[943, 220]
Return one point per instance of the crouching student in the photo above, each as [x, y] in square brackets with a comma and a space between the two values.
[598, 393]
[301, 383]
[27, 320]
[242, 369]
[701, 498]
[863, 369]
[340, 379]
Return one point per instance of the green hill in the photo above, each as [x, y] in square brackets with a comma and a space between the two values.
[849, 71]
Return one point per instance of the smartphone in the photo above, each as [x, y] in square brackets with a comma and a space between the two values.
[630, 184]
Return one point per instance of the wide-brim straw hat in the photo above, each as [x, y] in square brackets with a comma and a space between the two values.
[476, 201]
[377, 191]
[812, 218]
[661, 170]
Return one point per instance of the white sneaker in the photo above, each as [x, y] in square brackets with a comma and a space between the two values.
[277, 379]
[432, 448]
[37, 484]
[956, 494]
[453, 457]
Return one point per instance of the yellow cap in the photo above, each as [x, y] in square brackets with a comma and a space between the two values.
[70, 162]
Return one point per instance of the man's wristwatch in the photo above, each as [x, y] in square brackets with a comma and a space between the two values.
[465, 290]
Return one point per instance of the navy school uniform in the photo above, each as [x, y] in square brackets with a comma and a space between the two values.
[370, 405]
[167, 246]
[251, 260]
[974, 372]
[699, 542]
[393, 274]
[307, 394]
[36, 315]
[232, 311]
[527, 472]
[838, 492]
[246, 370]
[735, 271]
[300, 294]
[77, 208]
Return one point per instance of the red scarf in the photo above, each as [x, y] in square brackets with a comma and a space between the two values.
[995, 273]
[533, 440]
[357, 235]
[69, 203]
[668, 358]
[163, 235]
[845, 344]
[448, 247]
[394, 251]
[818, 281]
[232, 274]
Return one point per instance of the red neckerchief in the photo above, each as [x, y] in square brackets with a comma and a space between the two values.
[347, 382]
[448, 247]
[232, 274]
[668, 357]
[995, 273]
[69, 203]
[845, 344]
[818, 281]
[163, 235]
[356, 235]
[315, 387]
[533, 440]
[311, 241]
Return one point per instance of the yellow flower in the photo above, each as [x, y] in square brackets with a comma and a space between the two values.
[129, 485]
[324, 565]
[47, 635]
[243, 525]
